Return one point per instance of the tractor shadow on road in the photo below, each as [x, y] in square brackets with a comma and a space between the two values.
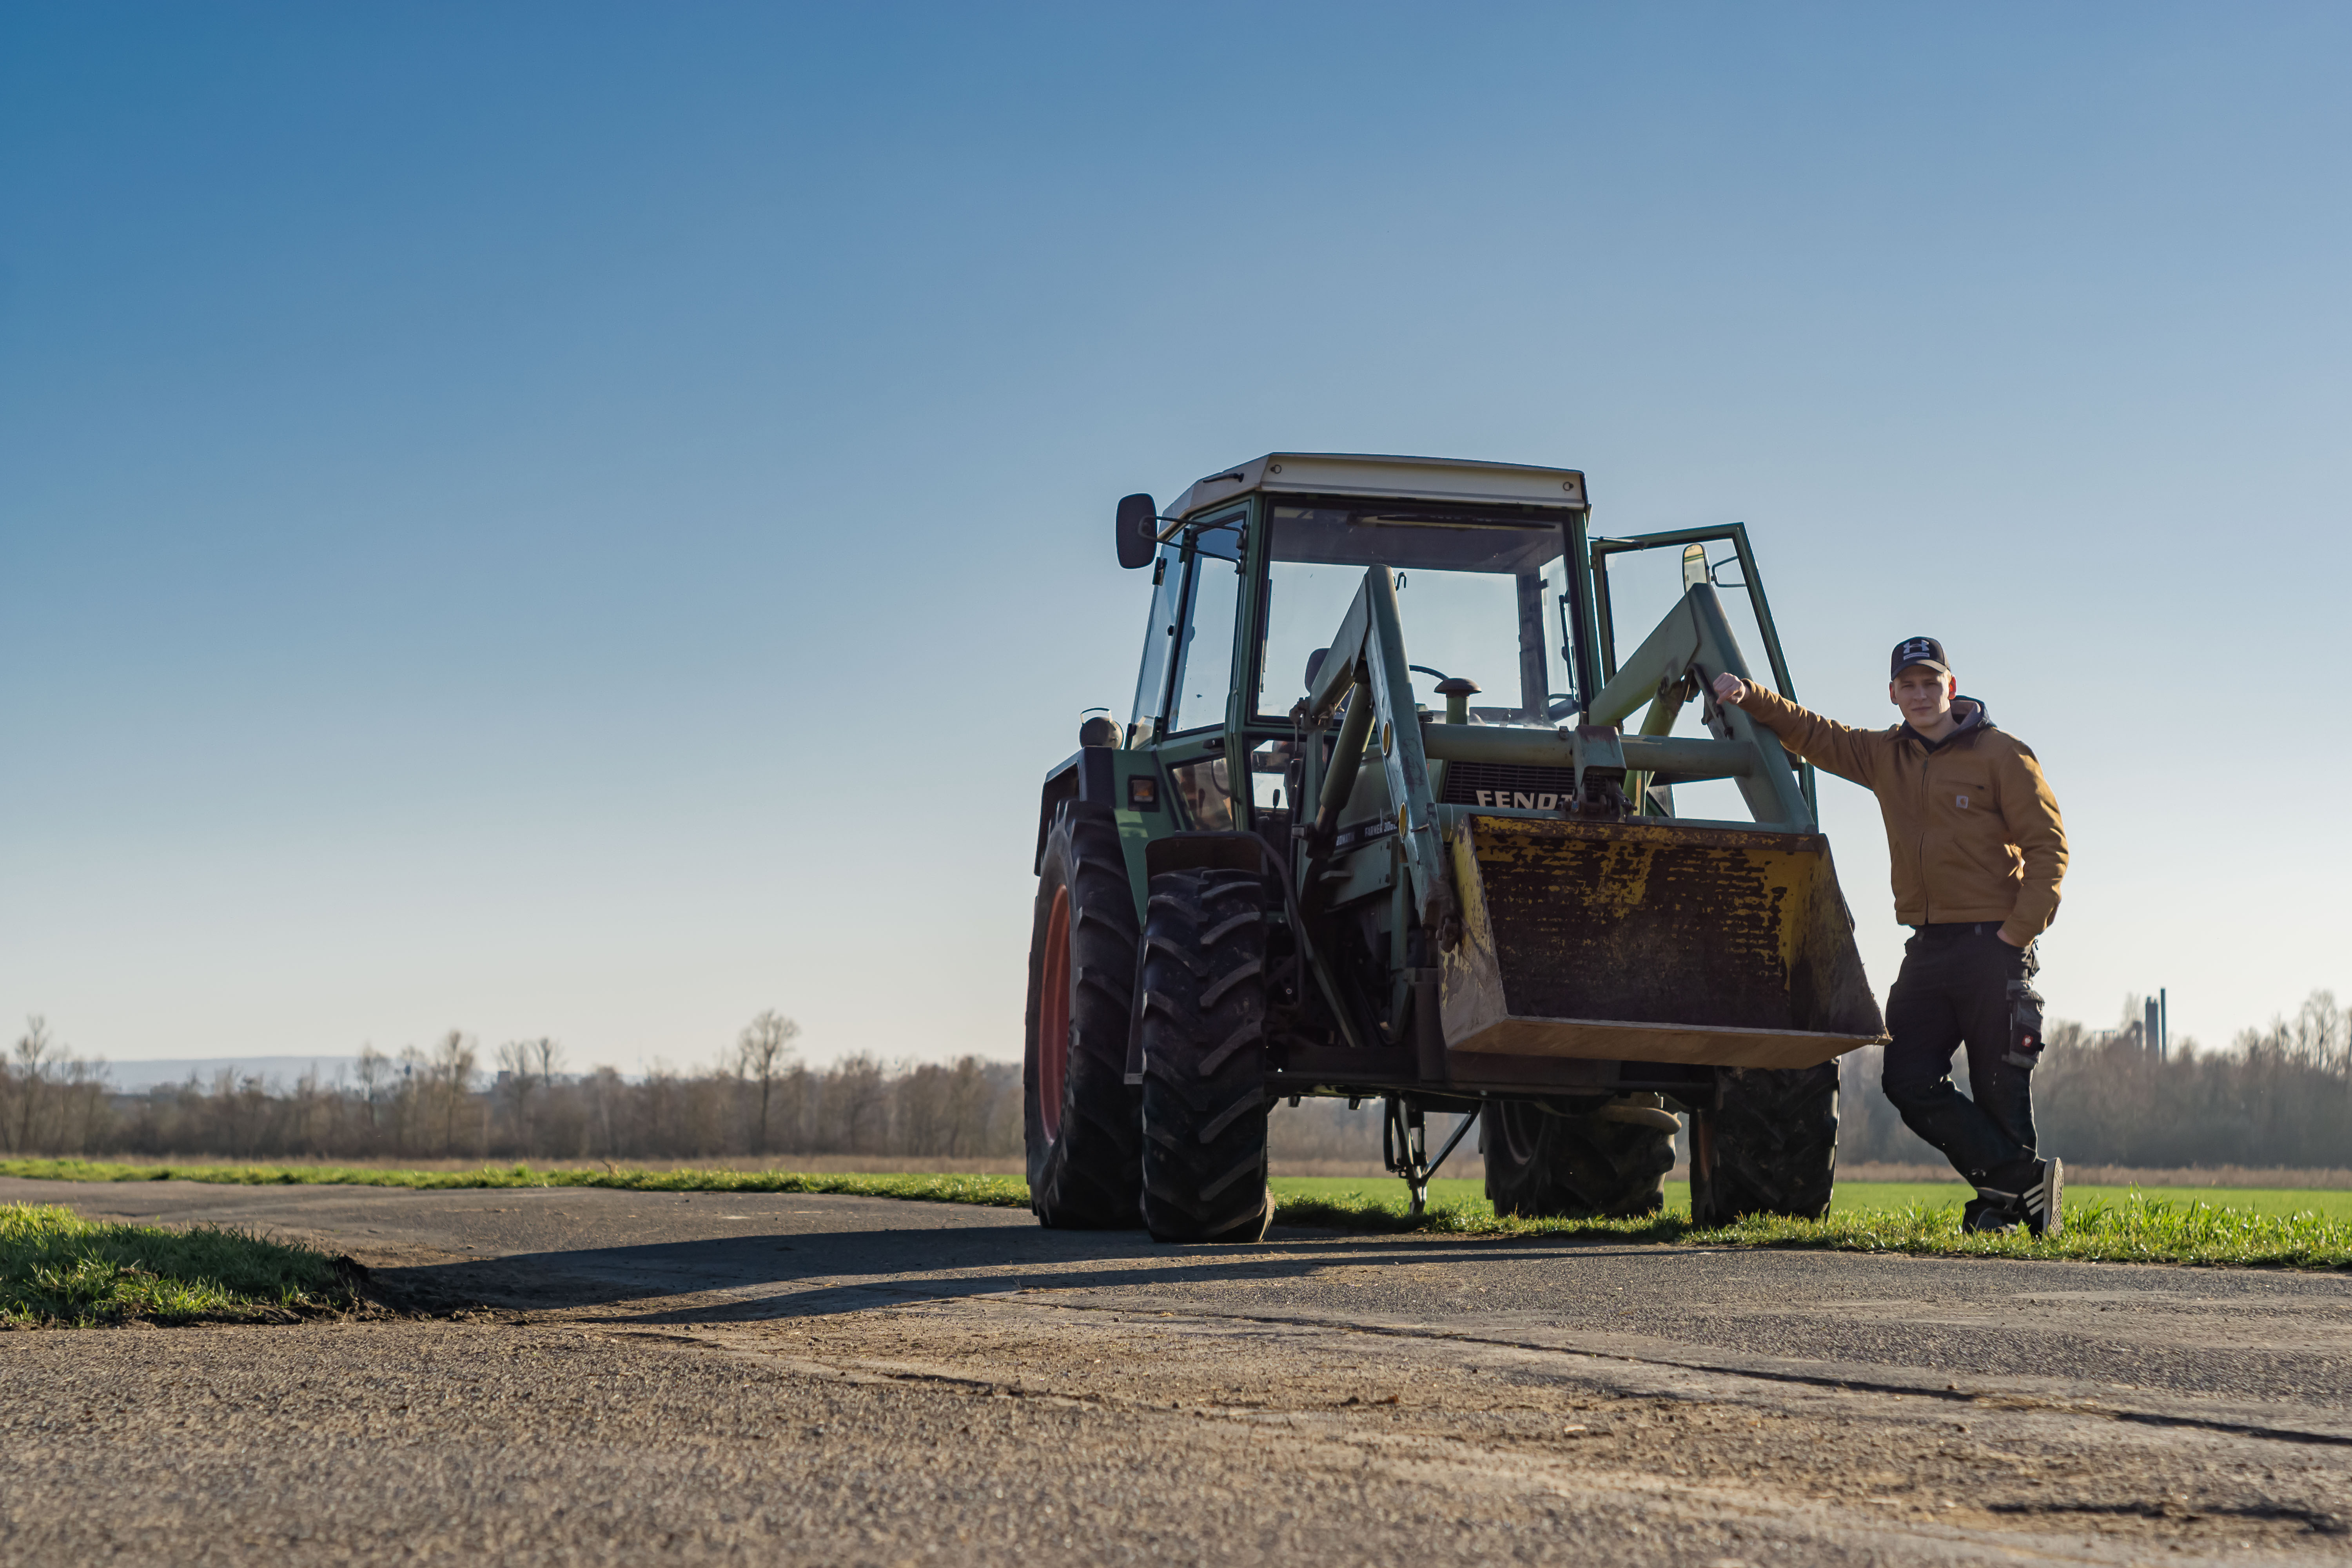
[760, 1278]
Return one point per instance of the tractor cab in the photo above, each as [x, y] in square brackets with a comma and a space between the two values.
[1487, 591]
[1253, 570]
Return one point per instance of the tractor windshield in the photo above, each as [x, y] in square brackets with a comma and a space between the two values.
[1481, 596]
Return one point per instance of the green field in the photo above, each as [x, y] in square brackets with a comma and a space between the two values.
[1853, 1197]
[2301, 1228]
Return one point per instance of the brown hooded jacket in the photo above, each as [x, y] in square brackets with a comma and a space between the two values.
[1973, 830]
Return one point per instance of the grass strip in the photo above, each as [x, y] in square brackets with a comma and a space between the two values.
[2135, 1227]
[59, 1268]
[997, 1192]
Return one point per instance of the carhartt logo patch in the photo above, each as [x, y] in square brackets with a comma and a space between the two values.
[1961, 801]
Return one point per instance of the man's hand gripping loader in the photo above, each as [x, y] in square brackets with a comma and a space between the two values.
[1491, 911]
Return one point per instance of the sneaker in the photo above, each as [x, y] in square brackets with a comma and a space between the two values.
[2044, 1205]
[1989, 1214]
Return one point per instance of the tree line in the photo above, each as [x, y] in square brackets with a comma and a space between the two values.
[2278, 1096]
[445, 1102]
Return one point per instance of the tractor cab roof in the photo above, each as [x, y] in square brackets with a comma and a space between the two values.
[1401, 479]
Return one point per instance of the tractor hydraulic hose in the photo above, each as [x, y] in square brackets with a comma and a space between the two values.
[1346, 756]
[1657, 724]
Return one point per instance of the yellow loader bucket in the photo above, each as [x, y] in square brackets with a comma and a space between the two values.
[1652, 940]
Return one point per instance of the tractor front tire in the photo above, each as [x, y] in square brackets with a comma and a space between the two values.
[1769, 1148]
[1082, 1123]
[1542, 1166]
[1204, 1100]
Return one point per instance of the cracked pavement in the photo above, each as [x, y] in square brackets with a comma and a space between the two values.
[591, 1377]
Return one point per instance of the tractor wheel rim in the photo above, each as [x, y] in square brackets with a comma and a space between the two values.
[1054, 1016]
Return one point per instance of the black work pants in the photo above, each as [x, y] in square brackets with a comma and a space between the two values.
[1962, 984]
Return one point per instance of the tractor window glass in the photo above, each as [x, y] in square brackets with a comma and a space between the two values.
[1205, 645]
[1207, 793]
[1642, 587]
[1159, 637]
[1479, 597]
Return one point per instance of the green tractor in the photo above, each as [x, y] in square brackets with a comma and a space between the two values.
[1290, 875]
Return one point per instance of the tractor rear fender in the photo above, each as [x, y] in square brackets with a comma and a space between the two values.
[1090, 775]
[1205, 852]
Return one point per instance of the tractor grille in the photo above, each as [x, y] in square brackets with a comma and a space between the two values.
[1510, 786]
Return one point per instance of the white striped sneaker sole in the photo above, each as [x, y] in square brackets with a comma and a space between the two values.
[2046, 1200]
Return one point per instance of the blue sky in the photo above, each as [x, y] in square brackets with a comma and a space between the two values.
[592, 520]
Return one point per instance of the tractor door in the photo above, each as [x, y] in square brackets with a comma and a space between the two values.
[1649, 581]
[1196, 652]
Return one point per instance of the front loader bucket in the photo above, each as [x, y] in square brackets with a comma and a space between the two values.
[1652, 940]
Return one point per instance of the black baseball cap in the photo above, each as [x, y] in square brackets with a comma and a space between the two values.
[1918, 650]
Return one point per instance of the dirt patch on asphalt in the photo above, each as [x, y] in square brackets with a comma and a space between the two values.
[1559, 1420]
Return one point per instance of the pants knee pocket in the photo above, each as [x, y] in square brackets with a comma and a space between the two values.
[2024, 1025]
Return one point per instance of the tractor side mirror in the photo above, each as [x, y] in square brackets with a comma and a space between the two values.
[1139, 530]
[1694, 569]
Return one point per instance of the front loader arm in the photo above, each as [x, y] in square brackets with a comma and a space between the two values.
[1695, 639]
[1368, 659]
[1366, 667]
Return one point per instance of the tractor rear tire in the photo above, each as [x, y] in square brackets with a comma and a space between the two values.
[1083, 1125]
[1542, 1166]
[1771, 1148]
[1204, 1097]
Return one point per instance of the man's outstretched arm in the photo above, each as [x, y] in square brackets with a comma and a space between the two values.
[1836, 748]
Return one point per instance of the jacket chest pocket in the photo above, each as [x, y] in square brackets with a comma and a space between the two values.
[1956, 793]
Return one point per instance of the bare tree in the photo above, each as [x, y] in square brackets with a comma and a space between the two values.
[2323, 1031]
[604, 1088]
[35, 1054]
[453, 1067]
[516, 1076]
[763, 1051]
[857, 1105]
[85, 1088]
[374, 1073]
[549, 1055]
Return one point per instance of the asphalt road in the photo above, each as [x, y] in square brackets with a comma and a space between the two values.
[621, 1378]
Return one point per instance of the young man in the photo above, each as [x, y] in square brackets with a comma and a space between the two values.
[1977, 851]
